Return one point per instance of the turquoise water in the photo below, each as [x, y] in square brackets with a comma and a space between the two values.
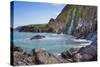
[53, 43]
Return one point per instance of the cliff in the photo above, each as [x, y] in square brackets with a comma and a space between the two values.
[33, 28]
[76, 20]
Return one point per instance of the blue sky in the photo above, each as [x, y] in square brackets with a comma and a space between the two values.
[34, 12]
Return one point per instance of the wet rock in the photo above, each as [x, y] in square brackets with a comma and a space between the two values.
[91, 36]
[15, 48]
[89, 53]
[43, 57]
[37, 37]
[69, 53]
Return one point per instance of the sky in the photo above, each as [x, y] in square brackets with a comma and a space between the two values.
[26, 13]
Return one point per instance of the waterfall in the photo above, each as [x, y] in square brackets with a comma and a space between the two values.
[72, 21]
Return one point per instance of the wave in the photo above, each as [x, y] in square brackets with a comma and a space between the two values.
[54, 38]
[80, 40]
[83, 42]
[57, 54]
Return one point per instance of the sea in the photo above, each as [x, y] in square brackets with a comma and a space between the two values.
[53, 43]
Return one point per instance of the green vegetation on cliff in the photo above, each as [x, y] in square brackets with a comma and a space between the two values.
[84, 22]
[33, 28]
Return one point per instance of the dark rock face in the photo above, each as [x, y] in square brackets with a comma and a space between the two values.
[69, 53]
[37, 37]
[89, 53]
[17, 49]
[84, 20]
[34, 28]
[43, 57]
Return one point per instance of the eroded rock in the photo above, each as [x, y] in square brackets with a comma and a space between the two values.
[43, 57]
[37, 37]
[69, 53]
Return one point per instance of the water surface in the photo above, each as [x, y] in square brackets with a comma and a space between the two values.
[53, 43]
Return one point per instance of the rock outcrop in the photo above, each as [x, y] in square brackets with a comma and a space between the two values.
[19, 57]
[69, 53]
[88, 53]
[43, 57]
[37, 37]
[22, 58]
[37, 56]
[83, 20]
[19, 49]
[33, 28]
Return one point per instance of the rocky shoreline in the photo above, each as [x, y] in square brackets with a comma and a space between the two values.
[40, 56]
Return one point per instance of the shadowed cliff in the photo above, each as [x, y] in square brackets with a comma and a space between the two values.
[76, 20]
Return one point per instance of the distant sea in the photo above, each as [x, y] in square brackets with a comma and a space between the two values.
[53, 43]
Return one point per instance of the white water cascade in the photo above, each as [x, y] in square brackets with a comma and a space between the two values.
[72, 21]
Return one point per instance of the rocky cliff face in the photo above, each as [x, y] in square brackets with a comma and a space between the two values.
[33, 28]
[76, 20]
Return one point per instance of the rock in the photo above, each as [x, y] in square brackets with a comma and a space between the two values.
[52, 20]
[38, 56]
[15, 48]
[19, 57]
[43, 57]
[37, 37]
[33, 28]
[76, 57]
[69, 53]
[89, 53]
[92, 36]
[22, 58]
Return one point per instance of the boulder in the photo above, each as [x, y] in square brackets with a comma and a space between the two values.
[22, 58]
[76, 57]
[69, 53]
[37, 37]
[89, 53]
[15, 48]
[43, 57]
